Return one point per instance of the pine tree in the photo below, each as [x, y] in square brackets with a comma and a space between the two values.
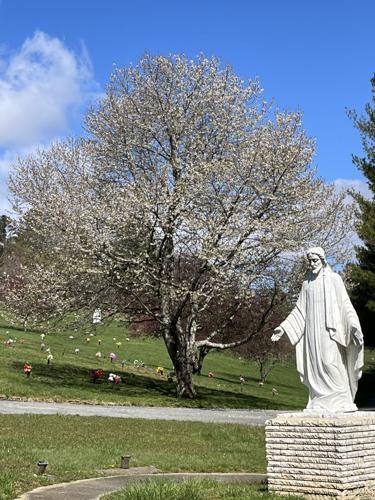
[363, 273]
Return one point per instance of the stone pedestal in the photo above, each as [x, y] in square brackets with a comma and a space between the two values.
[322, 455]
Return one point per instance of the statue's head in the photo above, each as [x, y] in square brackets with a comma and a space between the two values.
[317, 259]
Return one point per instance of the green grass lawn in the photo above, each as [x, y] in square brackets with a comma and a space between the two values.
[67, 378]
[76, 447]
[195, 490]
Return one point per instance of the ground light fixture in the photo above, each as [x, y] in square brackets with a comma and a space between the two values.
[125, 459]
[42, 466]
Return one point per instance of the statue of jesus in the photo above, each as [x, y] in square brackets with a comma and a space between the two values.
[325, 329]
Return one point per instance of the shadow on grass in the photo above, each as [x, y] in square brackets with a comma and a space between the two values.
[233, 380]
[229, 377]
[365, 397]
[65, 377]
[17, 329]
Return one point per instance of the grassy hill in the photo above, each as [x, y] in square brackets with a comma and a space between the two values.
[67, 377]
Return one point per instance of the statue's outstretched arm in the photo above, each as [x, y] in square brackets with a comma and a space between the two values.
[278, 333]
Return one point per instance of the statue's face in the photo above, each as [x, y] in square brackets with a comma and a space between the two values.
[315, 263]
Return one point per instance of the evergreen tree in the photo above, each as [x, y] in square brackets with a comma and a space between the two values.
[363, 273]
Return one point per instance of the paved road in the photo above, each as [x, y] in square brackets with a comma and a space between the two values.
[245, 417]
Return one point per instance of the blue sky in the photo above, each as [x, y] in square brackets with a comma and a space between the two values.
[313, 56]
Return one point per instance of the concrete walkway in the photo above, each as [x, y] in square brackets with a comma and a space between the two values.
[93, 489]
[245, 417]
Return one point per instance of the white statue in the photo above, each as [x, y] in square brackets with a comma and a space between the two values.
[97, 316]
[325, 329]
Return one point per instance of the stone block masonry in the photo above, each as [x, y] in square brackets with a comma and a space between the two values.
[322, 455]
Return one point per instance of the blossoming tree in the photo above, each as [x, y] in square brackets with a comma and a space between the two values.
[186, 187]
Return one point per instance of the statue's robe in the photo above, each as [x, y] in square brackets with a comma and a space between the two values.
[319, 326]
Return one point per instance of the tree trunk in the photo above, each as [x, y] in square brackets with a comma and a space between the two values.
[184, 375]
[184, 360]
[203, 351]
[262, 371]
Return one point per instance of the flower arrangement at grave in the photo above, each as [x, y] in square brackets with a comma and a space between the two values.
[211, 375]
[118, 344]
[76, 350]
[114, 379]
[98, 355]
[112, 357]
[160, 370]
[27, 369]
[242, 379]
[138, 364]
[49, 359]
[96, 375]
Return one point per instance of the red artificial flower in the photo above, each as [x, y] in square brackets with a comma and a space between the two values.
[97, 375]
[27, 368]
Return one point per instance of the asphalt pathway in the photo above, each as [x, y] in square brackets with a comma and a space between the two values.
[244, 417]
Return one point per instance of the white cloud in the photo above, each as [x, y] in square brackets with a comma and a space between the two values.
[356, 184]
[40, 86]
[44, 87]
